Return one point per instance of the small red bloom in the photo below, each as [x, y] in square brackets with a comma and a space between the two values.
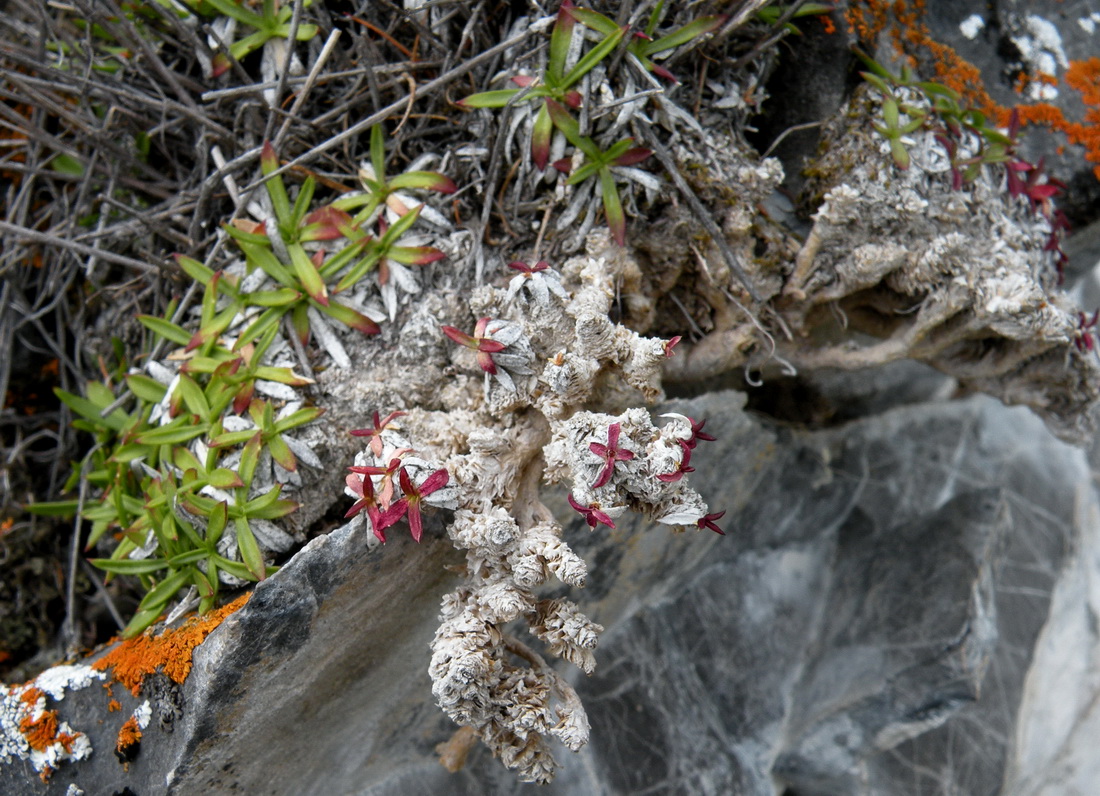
[1084, 336]
[697, 433]
[610, 453]
[364, 488]
[529, 270]
[592, 514]
[388, 473]
[375, 433]
[479, 342]
[708, 522]
[410, 503]
[683, 468]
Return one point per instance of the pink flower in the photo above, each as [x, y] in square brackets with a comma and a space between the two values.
[364, 488]
[375, 433]
[697, 433]
[387, 474]
[480, 342]
[410, 503]
[610, 453]
[708, 522]
[683, 468]
[592, 514]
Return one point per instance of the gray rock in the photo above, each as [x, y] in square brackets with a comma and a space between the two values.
[905, 639]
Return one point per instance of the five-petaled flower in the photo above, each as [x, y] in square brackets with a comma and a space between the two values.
[375, 433]
[592, 514]
[683, 468]
[388, 473]
[413, 496]
[540, 280]
[480, 342]
[363, 486]
[697, 433]
[1084, 336]
[707, 521]
[610, 453]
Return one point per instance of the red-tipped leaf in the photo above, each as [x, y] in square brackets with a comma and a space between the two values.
[632, 156]
[541, 133]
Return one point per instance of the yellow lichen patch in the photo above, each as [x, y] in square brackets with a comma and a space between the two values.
[169, 652]
[128, 735]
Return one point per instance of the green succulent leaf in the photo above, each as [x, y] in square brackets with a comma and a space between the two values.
[193, 397]
[301, 204]
[269, 163]
[224, 478]
[250, 458]
[194, 269]
[264, 258]
[613, 207]
[307, 274]
[145, 388]
[92, 410]
[689, 32]
[57, 508]
[560, 37]
[267, 320]
[900, 154]
[129, 566]
[588, 61]
[141, 621]
[216, 523]
[250, 551]
[166, 329]
[489, 99]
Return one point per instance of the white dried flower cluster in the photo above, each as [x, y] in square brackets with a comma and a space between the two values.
[651, 481]
[514, 708]
[482, 676]
[517, 356]
[539, 281]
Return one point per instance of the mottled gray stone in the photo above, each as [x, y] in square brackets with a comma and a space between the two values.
[906, 636]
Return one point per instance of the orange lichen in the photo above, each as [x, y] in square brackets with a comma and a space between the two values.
[114, 705]
[902, 22]
[41, 733]
[30, 696]
[1085, 77]
[128, 735]
[169, 652]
